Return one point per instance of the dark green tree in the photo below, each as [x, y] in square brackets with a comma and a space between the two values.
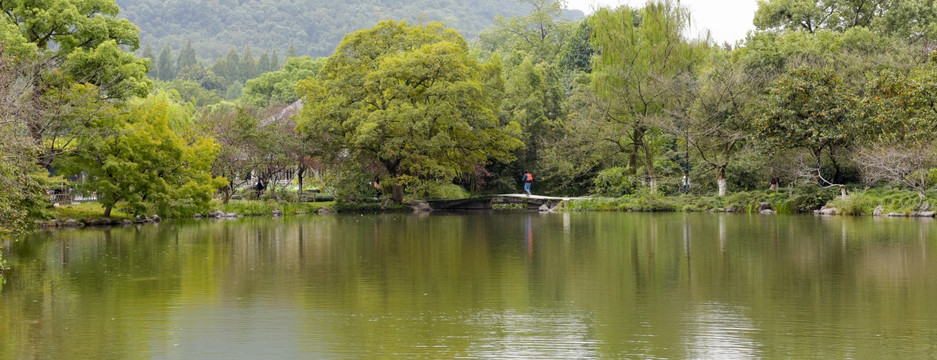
[151, 56]
[248, 65]
[187, 58]
[166, 67]
[811, 109]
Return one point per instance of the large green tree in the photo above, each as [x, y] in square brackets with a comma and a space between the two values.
[643, 53]
[85, 38]
[811, 109]
[409, 102]
[910, 20]
[144, 164]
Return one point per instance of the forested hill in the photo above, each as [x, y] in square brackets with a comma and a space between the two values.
[312, 27]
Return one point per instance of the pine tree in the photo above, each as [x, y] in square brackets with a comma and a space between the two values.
[248, 65]
[149, 54]
[187, 57]
[274, 61]
[263, 65]
[167, 68]
[291, 52]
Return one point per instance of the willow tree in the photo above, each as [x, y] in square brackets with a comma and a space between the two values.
[408, 103]
[642, 52]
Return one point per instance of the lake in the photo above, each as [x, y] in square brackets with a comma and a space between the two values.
[490, 285]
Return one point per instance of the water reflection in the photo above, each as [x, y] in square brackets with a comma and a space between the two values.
[721, 332]
[465, 286]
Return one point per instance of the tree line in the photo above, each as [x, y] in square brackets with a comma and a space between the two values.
[314, 28]
[622, 102]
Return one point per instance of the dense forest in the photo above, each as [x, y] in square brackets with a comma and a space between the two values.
[824, 98]
[314, 28]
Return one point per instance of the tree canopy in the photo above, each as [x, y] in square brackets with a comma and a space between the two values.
[408, 102]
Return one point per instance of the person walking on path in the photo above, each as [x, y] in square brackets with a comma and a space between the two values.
[528, 179]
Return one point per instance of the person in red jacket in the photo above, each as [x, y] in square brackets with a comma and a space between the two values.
[528, 179]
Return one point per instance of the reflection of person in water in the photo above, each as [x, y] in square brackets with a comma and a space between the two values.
[530, 240]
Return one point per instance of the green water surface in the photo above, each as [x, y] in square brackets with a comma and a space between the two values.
[477, 286]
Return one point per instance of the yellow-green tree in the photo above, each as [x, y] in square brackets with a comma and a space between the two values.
[145, 165]
[644, 56]
[408, 103]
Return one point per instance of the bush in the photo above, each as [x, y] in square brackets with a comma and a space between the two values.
[446, 191]
[613, 182]
[857, 203]
[806, 199]
[745, 201]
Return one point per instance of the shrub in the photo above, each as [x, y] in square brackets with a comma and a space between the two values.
[613, 182]
[806, 199]
[446, 191]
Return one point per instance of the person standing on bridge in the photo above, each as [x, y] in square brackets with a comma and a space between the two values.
[528, 179]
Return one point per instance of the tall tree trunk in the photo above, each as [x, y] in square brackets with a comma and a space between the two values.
[299, 177]
[649, 165]
[637, 142]
[836, 170]
[397, 193]
[228, 192]
[721, 181]
[107, 211]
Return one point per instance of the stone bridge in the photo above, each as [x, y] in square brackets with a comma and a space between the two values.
[485, 202]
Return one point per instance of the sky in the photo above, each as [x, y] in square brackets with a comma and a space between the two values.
[727, 20]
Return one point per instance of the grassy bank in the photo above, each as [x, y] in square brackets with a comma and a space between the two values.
[85, 212]
[864, 202]
[787, 201]
[266, 207]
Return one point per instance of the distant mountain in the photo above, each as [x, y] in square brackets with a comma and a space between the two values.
[312, 27]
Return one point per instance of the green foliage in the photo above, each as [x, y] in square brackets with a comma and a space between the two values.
[644, 54]
[266, 208]
[808, 108]
[806, 199]
[613, 181]
[85, 38]
[907, 19]
[409, 100]
[144, 165]
[166, 69]
[313, 27]
[446, 191]
[279, 87]
[22, 181]
[640, 202]
[85, 212]
[864, 202]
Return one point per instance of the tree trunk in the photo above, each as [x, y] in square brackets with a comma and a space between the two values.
[636, 136]
[107, 211]
[299, 178]
[397, 194]
[816, 155]
[721, 181]
[836, 170]
[649, 165]
[228, 192]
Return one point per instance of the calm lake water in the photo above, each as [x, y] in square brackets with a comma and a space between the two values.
[477, 286]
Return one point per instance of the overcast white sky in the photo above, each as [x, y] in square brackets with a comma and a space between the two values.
[727, 20]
